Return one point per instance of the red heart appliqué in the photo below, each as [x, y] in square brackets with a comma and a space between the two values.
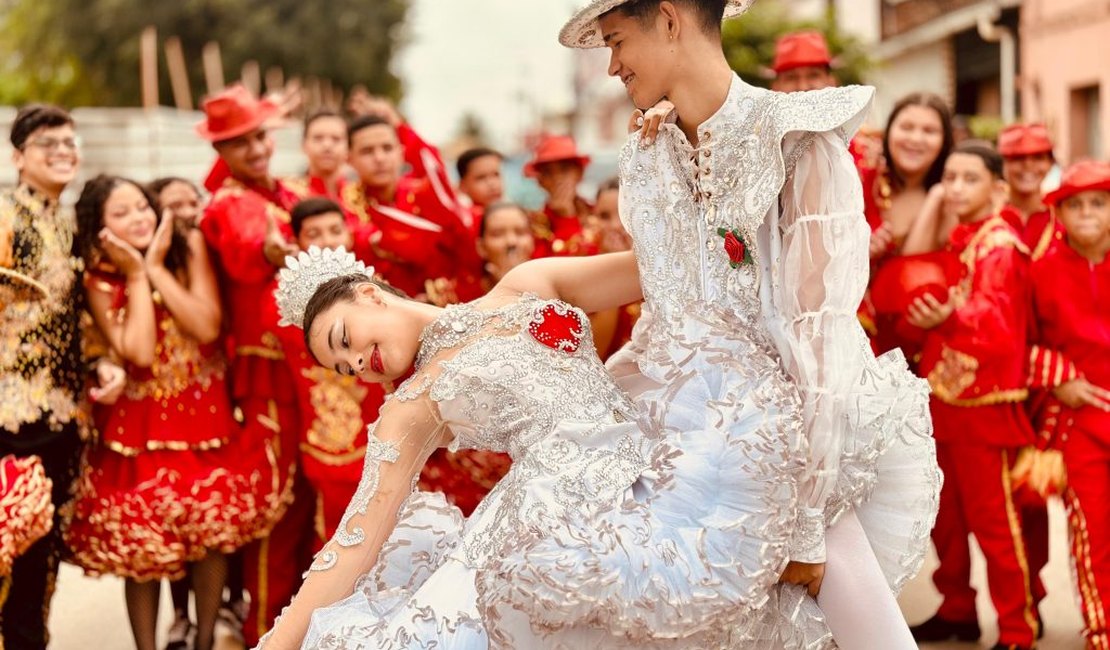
[558, 327]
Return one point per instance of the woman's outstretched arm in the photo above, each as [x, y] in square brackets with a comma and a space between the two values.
[591, 283]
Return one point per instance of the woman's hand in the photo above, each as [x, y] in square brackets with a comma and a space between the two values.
[882, 240]
[159, 246]
[123, 255]
[649, 123]
[805, 574]
[111, 380]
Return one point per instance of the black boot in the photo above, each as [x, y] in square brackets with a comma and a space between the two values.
[1010, 646]
[939, 629]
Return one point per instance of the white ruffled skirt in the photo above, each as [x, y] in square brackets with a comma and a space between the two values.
[684, 551]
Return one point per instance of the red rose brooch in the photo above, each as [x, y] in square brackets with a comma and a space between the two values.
[737, 250]
[558, 327]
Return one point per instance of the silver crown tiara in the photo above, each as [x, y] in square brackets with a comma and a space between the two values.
[304, 274]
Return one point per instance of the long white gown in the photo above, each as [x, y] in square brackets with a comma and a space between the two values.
[660, 513]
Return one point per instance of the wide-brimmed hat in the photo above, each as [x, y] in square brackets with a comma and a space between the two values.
[554, 148]
[233, 112]
[583, 31]
[800, 50]
[1024, 140]
[1084, 176]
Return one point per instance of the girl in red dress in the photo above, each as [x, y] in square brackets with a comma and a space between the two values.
[899, 192]
[166, 485]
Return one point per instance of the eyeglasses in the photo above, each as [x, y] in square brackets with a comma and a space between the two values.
[50, 145]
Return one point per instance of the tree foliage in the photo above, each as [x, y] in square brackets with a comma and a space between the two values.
[80, 52]
[749, 43]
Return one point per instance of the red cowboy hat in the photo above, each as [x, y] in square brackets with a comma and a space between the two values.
[1024, 140]
[233, 112]
[1085, 176]
[554, 148]
[801, 49]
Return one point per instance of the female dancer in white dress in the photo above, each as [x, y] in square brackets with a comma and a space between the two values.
[747, 219]
[595, 539]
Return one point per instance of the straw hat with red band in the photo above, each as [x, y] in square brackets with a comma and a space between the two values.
[801, 50]
[1024, 140]
[233, 112]
[554, 148]
[1085, 176]
[583, 30]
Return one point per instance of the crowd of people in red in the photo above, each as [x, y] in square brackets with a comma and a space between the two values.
[145, 364]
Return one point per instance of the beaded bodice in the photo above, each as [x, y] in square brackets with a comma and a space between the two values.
[503, 379]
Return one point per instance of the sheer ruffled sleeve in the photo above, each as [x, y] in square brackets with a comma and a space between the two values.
[820, 271]
[405, 434]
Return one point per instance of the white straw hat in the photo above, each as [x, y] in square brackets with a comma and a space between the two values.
[583, 31]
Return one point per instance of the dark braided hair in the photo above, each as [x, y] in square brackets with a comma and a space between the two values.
[90, 221]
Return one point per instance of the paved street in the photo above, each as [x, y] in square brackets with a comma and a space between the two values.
[90, 613]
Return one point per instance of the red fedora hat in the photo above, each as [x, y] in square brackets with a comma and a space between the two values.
[233, 112]
[1024, 140]
[554, 148]
[801, 49]
[1083, 176]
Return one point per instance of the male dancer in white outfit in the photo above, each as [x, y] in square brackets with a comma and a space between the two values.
[747, 217]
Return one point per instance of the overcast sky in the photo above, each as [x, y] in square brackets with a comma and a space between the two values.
[482, 56]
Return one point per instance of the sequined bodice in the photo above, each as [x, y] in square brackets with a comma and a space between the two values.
[503, 379]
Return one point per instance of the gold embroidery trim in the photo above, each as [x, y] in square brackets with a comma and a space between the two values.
[1094, 613]
[335, 460]
[1019, 542]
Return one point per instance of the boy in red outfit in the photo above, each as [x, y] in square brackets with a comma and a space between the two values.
[335, 409]
[560, 227]
[1071, 285]
[246, 227]
[411, 225]
[974, 358]
[1027, 158]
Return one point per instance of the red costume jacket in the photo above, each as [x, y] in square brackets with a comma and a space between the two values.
[423, 234]
[335, 410]
[978, 355]
[235, 226]
[1071, 334]
[1038, 231]
[563, 236]
[308, 186]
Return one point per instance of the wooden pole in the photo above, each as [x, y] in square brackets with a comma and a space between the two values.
[148, 63]
[213, 67]
[275, 79]
[251, 77]
[179, 74]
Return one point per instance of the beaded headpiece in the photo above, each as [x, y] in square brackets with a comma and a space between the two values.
[304, 274]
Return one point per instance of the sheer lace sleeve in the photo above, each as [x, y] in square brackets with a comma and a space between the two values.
[821, 272]
[406, 433]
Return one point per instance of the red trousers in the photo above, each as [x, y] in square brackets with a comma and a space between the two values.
[976, 499]
[273, 565]
[1087, 458]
